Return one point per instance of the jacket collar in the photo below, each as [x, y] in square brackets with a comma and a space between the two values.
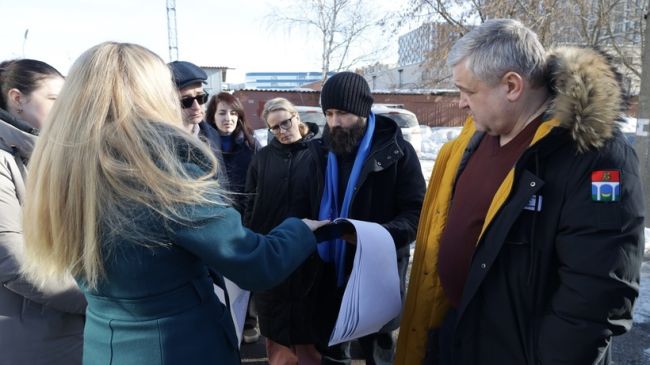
[385, 149]
[297, 145]
[16, 136]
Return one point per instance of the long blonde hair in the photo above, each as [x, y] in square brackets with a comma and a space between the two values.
[113, 142]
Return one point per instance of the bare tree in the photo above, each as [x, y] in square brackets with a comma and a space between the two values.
[344, 28]
[612, 25]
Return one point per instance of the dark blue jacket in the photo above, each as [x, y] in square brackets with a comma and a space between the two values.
[235, 160]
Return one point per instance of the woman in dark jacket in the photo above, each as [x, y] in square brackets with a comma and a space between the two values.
[282, 182]
[38, 324]
[237, 144]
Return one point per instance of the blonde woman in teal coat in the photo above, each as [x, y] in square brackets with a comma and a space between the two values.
[122, 199]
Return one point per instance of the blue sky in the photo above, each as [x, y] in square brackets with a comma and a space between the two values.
[229, 33]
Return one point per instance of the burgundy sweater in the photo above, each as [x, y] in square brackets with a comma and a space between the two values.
[475, 188]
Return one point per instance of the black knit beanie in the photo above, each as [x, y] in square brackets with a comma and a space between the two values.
[348, 92]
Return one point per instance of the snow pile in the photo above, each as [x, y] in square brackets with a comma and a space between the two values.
[628, 125]
[434, 137]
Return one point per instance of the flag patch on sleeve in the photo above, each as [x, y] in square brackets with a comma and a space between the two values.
[606, 186]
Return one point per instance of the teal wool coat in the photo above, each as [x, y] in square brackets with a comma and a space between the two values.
[156, 304]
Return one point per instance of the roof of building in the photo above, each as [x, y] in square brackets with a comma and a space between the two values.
[293, 90]
[380, 91]
[217, 67]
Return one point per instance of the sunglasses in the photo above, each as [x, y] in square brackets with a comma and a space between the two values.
[188, 101]
[285, 124]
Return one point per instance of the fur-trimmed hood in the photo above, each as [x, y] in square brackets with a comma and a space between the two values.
[588, 98]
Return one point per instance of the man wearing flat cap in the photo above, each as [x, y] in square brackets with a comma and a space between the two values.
[371, 174]
[189, 80]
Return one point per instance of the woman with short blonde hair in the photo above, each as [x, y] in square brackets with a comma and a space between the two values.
[279, 104]
[283, 181]
[123, 199]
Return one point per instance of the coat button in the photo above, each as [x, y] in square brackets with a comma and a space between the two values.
[532, 184]
[483, 265]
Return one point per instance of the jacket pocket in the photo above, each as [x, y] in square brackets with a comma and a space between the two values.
[608, 215]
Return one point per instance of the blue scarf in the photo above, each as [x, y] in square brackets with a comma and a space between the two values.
[334, 250]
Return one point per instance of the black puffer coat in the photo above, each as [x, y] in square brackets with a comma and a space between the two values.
[282, 182]
[390, 191]
[556, 271]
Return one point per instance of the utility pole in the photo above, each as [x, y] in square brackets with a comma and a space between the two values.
[25, 40]
[642, 143]
[171, 30]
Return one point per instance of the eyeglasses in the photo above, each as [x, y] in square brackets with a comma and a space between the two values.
[285, 124]
[188, 101]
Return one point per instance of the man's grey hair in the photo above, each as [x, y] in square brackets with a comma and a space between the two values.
[499, 46]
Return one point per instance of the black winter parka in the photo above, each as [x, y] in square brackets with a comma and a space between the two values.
[283, 181]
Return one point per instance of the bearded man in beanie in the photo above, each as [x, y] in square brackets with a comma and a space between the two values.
[371, 174]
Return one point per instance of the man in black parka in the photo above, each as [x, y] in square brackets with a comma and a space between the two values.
[531, 236]
[374, 175]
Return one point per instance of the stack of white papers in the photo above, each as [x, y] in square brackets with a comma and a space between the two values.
[371, 296]
[238, 304]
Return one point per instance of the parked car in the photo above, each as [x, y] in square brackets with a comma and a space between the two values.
[312, 114]
[406, 120]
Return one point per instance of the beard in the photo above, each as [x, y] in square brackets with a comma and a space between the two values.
[344, 141]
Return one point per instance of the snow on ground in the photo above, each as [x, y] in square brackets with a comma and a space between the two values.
[434, 137]
[432, 140]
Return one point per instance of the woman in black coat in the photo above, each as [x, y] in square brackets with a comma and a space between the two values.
[283, 181]
[236, 146]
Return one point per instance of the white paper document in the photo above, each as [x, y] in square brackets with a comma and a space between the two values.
[238, 304]
[372, 296]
